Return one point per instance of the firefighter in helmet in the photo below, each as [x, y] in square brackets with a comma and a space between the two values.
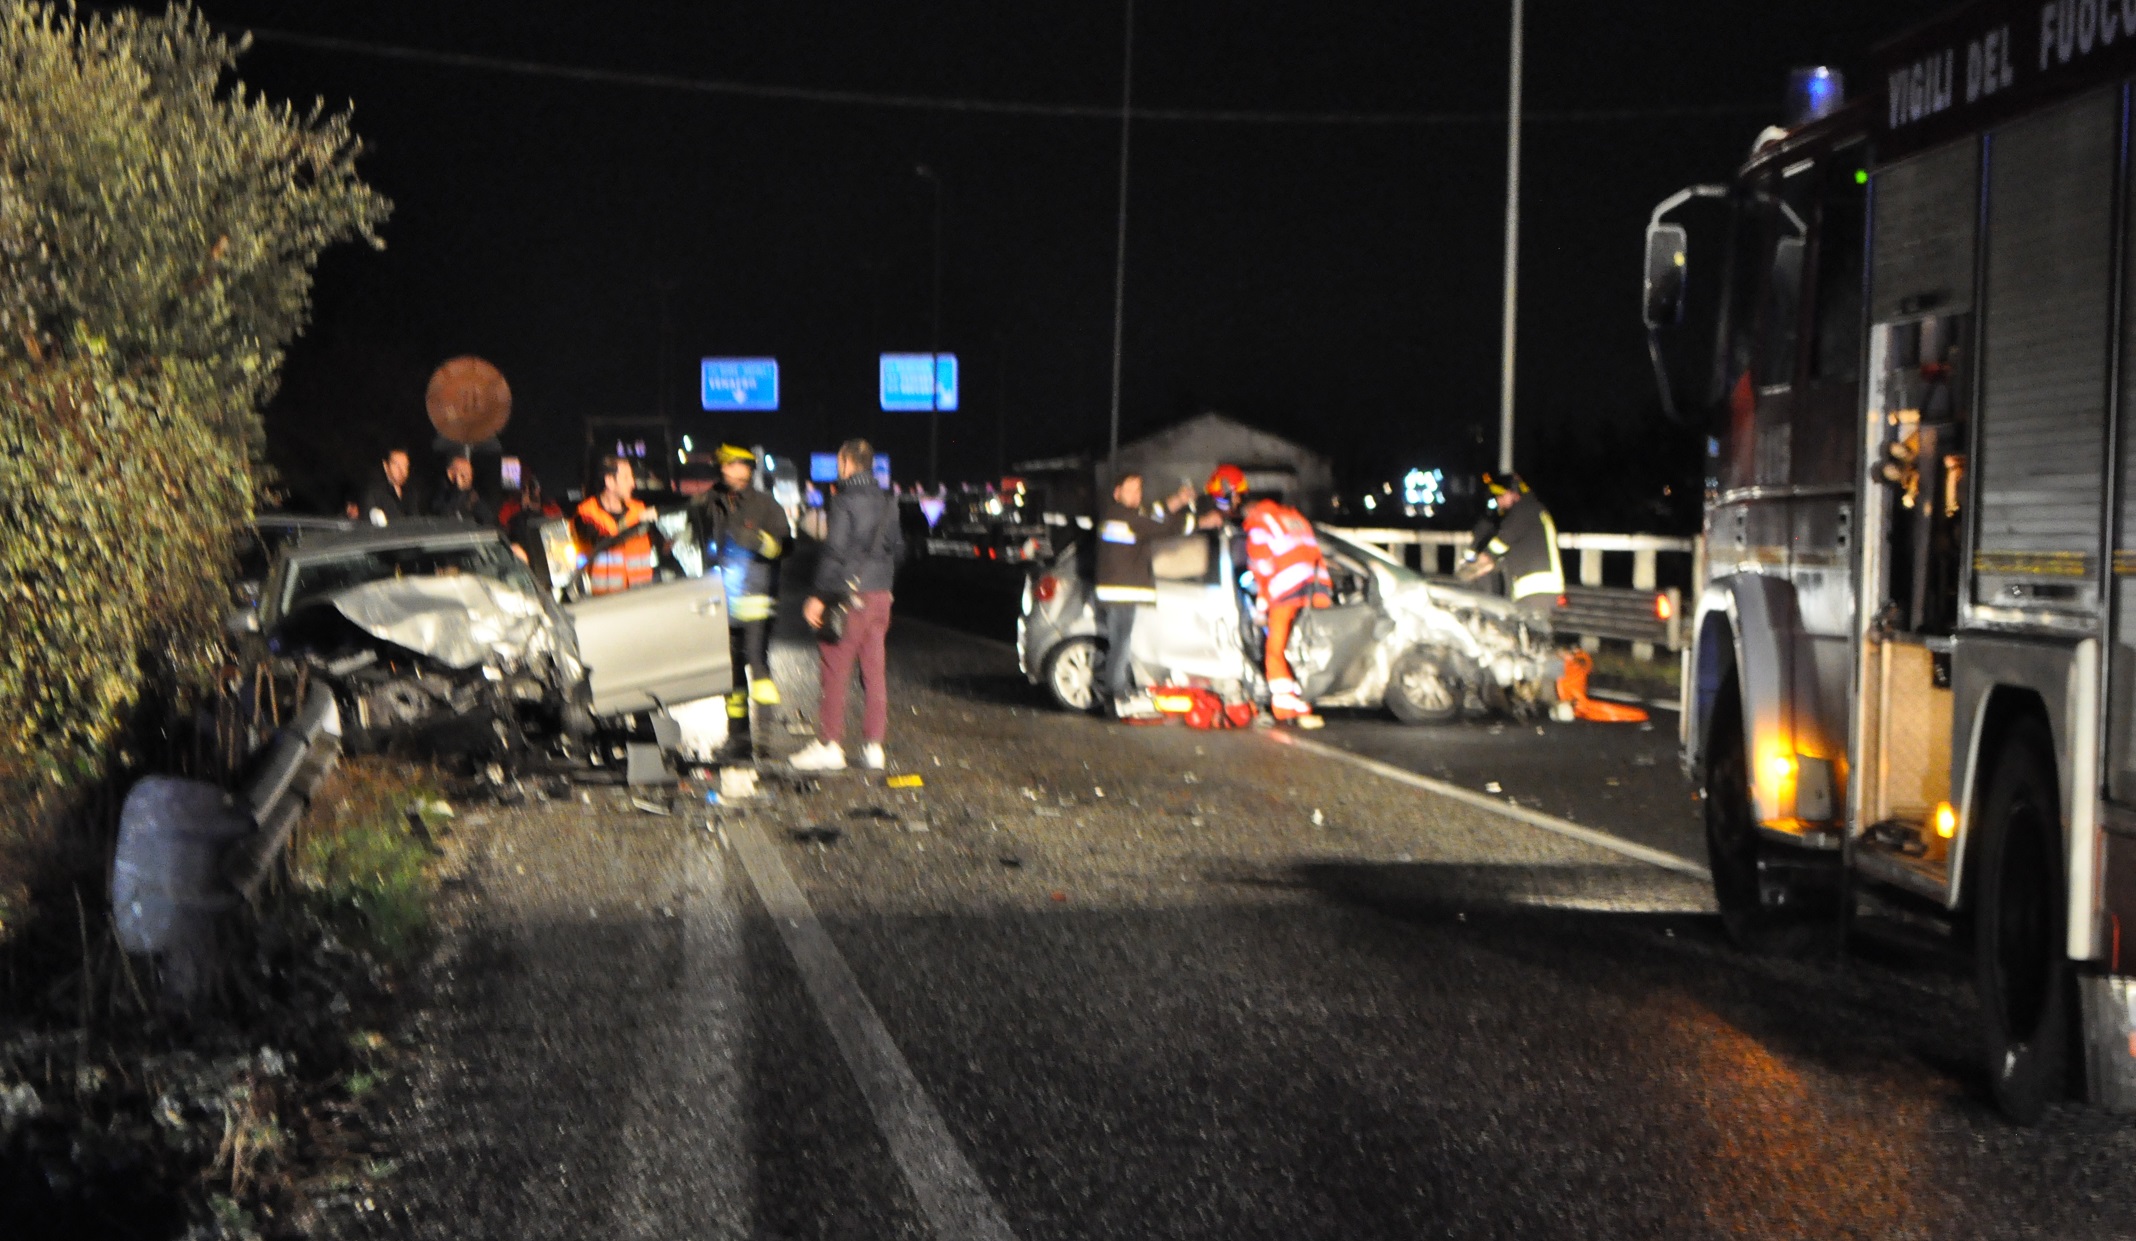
[1518, 540]
[1289, 576]
[744, 532]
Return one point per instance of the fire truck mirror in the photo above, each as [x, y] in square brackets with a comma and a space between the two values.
[1665, 248]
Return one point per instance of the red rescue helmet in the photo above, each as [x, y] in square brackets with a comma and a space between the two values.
[1226, 482]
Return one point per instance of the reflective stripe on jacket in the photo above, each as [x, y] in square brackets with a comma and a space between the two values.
[1285, 556]
[744, 533]
[627, 564]
[1525, 545]
[1124, 534]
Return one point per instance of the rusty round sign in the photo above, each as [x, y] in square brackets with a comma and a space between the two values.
[469, 401]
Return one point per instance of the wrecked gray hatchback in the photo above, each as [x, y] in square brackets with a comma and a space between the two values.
[436, 637]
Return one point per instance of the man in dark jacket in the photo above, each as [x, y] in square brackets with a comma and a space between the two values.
[460, 499]
[1125, 581]
[386, 497]
[745, 533]
[855, 567]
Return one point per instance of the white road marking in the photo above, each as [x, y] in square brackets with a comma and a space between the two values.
[950, 1193]
[1482, 801]
[685, 1137]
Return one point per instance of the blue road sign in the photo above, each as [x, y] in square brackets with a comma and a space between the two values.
[744, 384]
[919, 382]
[823, 468]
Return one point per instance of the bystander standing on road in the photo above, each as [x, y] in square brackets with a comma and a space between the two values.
[458, 498]
[745, 534]
[854, 573]
[386, 497]
[611, 511]
[1519, 540]
[1126, 582]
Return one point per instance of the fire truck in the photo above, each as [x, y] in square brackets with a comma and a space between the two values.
[1909, 325]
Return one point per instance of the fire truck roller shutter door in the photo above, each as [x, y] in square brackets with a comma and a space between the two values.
[2040, 469]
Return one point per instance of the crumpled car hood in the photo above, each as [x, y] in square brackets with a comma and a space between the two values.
[461, 621]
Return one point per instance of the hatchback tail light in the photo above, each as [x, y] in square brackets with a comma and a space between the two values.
[1048, 586]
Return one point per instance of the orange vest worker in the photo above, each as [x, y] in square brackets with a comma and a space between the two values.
[624, 565]
[1290, 574]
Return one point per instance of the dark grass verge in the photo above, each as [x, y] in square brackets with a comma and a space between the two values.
[249, 1118]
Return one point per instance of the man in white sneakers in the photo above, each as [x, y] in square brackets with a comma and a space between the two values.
[854, 569]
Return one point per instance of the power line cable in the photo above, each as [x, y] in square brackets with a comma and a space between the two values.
[970, 106]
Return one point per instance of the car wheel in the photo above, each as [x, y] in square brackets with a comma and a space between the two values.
[1422, 689]
[1071, 674]
[2021, 972]
[1771, 898]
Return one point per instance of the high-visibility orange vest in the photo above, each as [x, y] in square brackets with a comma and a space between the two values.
[1285, 556]
[626, 564]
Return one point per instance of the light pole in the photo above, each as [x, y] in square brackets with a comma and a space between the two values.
[1127, 96]
[934, 337]
[1001, 403]
[1505, 342]
[664, 287]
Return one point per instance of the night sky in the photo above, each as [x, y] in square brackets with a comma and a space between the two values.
[1334, 282]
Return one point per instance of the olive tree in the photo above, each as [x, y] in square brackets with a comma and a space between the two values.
[159, 227]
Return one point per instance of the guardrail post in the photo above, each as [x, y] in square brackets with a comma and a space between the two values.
[1590, 575]
[1643, 579]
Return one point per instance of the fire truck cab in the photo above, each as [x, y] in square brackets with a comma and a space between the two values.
[1910, 326]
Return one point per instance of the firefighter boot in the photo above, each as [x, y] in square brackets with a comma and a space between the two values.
[763, 691]
[1288, 706]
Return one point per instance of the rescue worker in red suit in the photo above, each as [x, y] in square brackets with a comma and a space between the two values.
[608, 512]
[1289, 576]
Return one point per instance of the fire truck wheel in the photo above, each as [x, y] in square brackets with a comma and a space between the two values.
[1071, 674]
[1772, 898]
[1421, 689]
[1731, 829]
[2021, 971]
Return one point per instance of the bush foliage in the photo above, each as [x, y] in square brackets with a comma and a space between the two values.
[159, 225]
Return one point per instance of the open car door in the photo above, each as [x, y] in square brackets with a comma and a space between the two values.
[1329, 646]
[1194, 629]
[662, 643]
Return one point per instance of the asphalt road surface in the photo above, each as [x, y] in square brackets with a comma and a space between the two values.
[1093, 980]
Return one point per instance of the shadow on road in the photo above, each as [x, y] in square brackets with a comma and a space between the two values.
[1639, 931]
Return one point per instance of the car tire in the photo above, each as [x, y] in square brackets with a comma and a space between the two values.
[1422, 688]
[1772, 899]
[2022, 975]
[1070, 674]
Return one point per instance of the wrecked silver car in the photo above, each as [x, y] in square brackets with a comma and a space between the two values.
[1425, 651]
[435, 636]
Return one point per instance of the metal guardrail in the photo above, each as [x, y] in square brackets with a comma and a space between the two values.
[1647, 619]
[1645, 615]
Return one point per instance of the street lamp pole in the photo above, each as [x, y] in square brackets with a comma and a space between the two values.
[1505, 375]
[934, 338]
[1127, 95]
[664, 287]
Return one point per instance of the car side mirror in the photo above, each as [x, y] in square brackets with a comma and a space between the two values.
[1663, 304]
